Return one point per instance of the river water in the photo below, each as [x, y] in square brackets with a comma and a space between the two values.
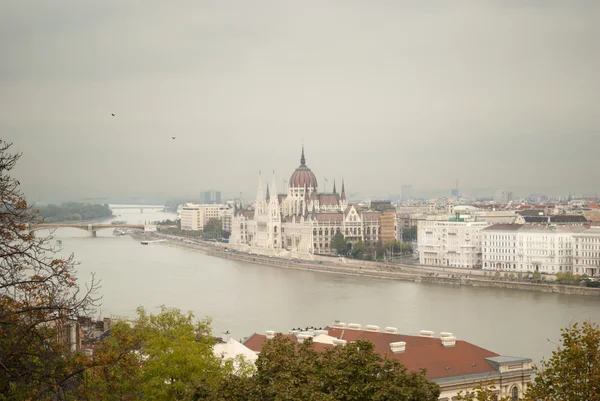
[245, 298]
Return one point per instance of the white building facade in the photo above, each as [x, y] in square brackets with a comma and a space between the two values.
[586, 252]
[528, 248]
[450, 242]
[194, 217]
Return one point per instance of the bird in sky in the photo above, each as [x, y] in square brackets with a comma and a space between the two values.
[173, 137]
[112, 114]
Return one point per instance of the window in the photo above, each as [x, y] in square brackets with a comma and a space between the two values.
[514, 393]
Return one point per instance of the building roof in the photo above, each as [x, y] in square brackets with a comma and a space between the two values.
[441, 362]
[303, 176]
[560, 218]
[328, 199]
[503, 227]
[334, 216]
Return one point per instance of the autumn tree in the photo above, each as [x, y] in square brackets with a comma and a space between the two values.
[39, 296]
[573, 371]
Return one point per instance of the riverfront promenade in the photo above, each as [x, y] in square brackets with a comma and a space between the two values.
[417, 274]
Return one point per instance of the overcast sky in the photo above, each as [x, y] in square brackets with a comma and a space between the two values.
[499, 94]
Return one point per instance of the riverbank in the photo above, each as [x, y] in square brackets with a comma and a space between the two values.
[430, 275]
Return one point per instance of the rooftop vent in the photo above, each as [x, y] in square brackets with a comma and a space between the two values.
[370, 327]
[446, 334]
[270, 334]
[339, 325]
[426, 333]
[391, 330]
[337, 342]
[302, 336]
[398, 347]
[354, 326]
[449, 341]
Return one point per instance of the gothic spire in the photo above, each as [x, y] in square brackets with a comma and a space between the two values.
[259, 191]
[343, 190]
[334, 186]
[302, 158]
[267, 192]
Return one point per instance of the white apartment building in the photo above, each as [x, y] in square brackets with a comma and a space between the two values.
[586, 252]
[528, 248]
[451, 242]
[194, 217]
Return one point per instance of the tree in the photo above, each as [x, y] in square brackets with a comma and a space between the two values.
[409, 234]
[286, 371]
[168, 356]
[358, 250]
[339, 243]
[39, 297]
[573, 371]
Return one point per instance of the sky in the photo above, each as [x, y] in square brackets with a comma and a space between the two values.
[496, 94]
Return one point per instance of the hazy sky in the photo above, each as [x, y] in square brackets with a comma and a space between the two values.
[500, 94]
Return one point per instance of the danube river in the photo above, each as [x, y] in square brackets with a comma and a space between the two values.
[246, 298]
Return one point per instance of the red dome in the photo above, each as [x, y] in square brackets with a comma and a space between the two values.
[303, 177]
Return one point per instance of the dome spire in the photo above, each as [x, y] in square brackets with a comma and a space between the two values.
[302, 158]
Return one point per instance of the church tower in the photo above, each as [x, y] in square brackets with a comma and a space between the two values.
[275, 238]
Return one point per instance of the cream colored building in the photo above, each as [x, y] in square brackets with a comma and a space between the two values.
[194, 217]
[529, 248]
[586, 252]
[450, 242]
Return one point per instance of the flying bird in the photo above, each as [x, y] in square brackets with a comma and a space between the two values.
[173, 137]
[112, 114]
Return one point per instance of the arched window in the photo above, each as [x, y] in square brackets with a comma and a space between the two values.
[514, 394]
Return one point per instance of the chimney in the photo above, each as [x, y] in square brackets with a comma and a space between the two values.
[449, 341]
[226, 336]
[426, 333]
[354, 326]
[270, 334]
[302, 337]
[391, 330]
[338, 342]
[398, 347]
[339, 325]
[373, 328]
[446, 334]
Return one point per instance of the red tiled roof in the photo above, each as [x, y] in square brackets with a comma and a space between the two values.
[421, 352]
[426, 353]
[328, 199]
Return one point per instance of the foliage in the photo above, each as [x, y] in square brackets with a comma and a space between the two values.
[482, 393]
[39, 297]
[167, 222]
[567, 278]
[213, 228]
[358, 250]
[339, 243]
[573, 371]
[168, 356]
[351, 372]
[74, 212]
[409, 234]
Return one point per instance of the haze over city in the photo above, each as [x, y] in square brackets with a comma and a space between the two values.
[497, 94]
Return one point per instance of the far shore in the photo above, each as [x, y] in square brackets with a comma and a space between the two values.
[379, 270]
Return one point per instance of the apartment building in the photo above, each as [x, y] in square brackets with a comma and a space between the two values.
[194, 217]
[586, 252]
[453, 242]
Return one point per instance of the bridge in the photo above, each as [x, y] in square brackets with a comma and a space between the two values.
[156, 208]
[90, 228]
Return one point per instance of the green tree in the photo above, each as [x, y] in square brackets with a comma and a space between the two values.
[573, 371]
[351, 372]
[339, 243]
[410, 234]
[167, 356]
[358, 250]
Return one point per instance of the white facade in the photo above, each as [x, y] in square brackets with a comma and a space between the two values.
[586, 252]
[194, 217]
[523, 248]
[450, 243]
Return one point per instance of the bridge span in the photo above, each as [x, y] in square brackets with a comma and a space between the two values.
[155, 208]
[90, 228]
